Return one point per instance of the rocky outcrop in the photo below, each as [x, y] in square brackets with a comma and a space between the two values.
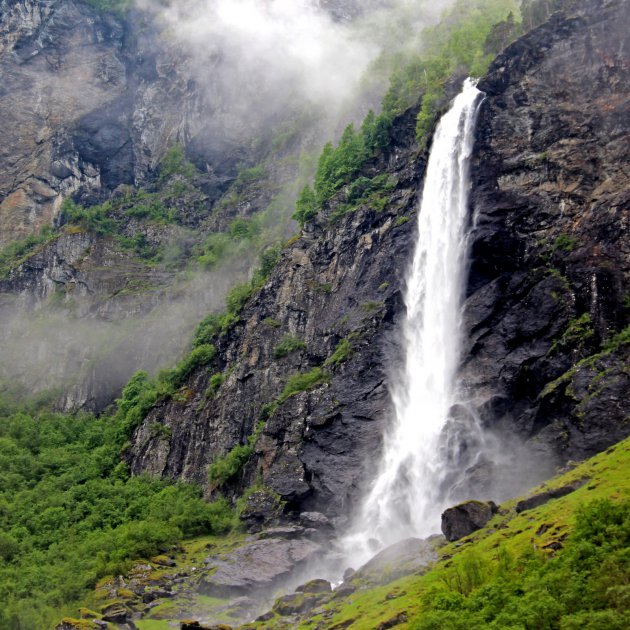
[59, 61]
[543, 497]
[92, 101]
[466, 518]
[408, 556]
[257, 567]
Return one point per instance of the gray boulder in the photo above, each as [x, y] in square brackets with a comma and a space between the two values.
[466, 518]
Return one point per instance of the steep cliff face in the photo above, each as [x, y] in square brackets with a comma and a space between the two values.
[337, 288]
[48, 49]
[551, 253]
[546, 290]
[91, 101]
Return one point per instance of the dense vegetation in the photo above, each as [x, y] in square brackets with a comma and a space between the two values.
[70, 513]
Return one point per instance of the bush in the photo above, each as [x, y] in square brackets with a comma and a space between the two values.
[15, 252]
[302, 382]
[199, 356]
[585, 586]
[342, 353]
[174, 162]
[95, 219]
[227, 467]
[237, 297]
[288, 345]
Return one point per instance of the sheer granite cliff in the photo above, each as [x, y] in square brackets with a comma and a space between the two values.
[547, 289]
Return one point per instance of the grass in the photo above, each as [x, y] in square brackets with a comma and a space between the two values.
[287, 346]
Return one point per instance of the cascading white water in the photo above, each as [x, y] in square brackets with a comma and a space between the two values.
[406, 499]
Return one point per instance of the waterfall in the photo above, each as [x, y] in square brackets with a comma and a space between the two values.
[408, 494]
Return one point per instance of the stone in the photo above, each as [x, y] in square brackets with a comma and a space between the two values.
[398, 620]
[543, 497]
[466, 518]
[348, 573]
[315, 520]
[288, 532]
[116, 613]
[405, 557]
[315, 587]
[190, 624]
[296, 603]
[68, 623]
[258, 565]
[261, 510]
[344, 590]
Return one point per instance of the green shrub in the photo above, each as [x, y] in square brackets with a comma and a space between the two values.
[71, 514]
[578, 330]
[288, 345]
[237, 297]
[214, 384]
[249, 175]
[138, 398]
[227, 467]
[154, 210]
[95, 219]
[174, 162]
[207, 330]
[197, 357]
[241, 229]
[302, 382]
[566, 242]
[13, 254]
[306, 206]
[585, 586]
[342, 353]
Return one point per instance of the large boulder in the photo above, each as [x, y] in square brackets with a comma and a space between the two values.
[466, 518]
[402, 558]
[259, 565]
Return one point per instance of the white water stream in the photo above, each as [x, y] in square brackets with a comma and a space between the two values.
[407, 497]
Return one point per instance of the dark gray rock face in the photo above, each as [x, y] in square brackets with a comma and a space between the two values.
[551, 248]
[341, 280]
[466, 518]
[402, 558]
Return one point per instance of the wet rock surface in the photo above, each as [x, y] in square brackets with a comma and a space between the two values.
[548, 278]
[550, 250]
[257, 566]
[403, 558]
[340, 281]
[466, 518]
